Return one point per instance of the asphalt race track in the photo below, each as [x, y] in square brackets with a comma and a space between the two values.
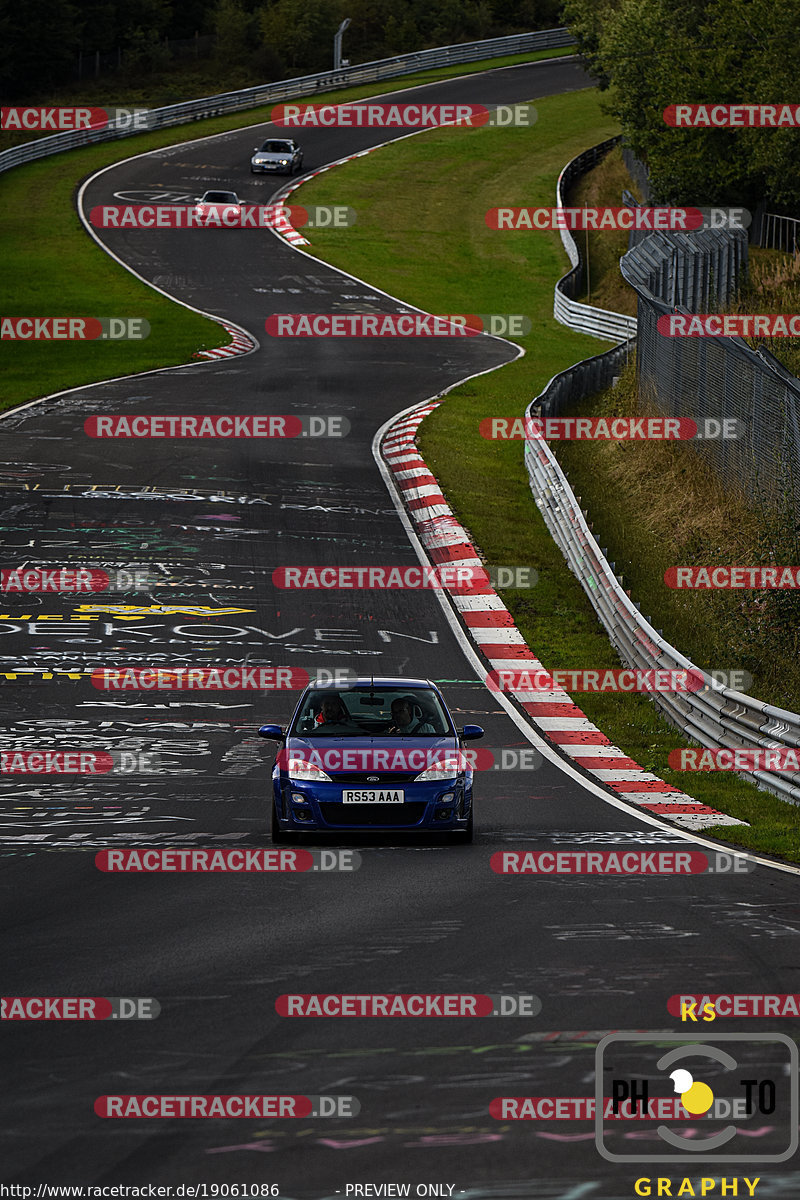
[216, 950]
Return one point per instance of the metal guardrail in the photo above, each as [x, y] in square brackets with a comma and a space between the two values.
[228, 102]
[779, 233]
[598, 322]
[716, 717]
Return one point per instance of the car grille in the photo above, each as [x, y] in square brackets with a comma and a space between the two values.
[373, 814]
[370, 779]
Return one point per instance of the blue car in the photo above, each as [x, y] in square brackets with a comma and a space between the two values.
[375, 754]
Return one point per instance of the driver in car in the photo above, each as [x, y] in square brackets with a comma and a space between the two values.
[403, 718]
[334, 712]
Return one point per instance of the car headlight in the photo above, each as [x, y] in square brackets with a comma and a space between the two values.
[284, 162]
[448, 768]
[300, 769]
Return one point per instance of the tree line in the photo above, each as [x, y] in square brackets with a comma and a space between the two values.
[649, 54]
[41, 40]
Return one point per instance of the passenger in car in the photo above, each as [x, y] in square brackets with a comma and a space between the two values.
[404, 720]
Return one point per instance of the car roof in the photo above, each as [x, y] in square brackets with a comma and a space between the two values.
[378, 681]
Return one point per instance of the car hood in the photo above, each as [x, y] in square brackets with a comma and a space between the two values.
[363, 756]
[273, 155]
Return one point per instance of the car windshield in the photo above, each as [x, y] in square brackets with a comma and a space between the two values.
[358, 711]
[220, 198]
[273, 147]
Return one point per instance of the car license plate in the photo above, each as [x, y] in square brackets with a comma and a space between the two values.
[372, 796]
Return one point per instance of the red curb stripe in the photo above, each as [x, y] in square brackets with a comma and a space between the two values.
[578, 737]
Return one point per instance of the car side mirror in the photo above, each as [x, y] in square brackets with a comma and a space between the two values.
[272, 731]
[255, 149]
[470, 733]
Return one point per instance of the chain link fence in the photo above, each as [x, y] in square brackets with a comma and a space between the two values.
[710, 377]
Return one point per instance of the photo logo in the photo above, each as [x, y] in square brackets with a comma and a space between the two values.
[722, 1081]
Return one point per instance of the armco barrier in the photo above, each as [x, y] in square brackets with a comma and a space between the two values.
[584, 318]
[715, 717]
[228, 102]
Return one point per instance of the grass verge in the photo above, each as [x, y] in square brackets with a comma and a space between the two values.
[53, 269]
[429, 245]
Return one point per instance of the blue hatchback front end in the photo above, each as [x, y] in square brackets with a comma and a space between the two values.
[376, 754]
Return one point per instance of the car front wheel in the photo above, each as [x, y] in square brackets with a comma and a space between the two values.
[463, 837]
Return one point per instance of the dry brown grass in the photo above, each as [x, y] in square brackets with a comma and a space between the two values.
[773, 287]
[659, 504]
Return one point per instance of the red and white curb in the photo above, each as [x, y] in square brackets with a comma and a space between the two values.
[491, 627]
[241, 343]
